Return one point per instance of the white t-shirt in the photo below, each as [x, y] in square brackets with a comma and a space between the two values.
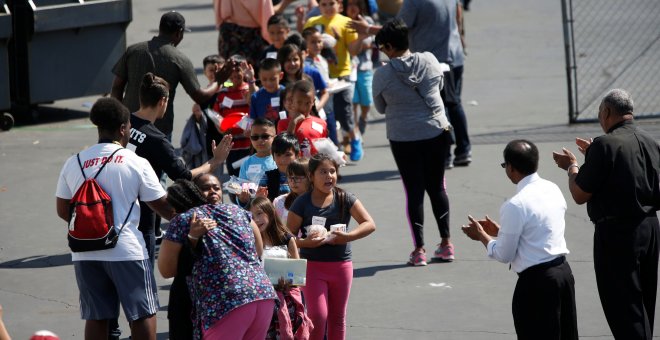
[124, 178]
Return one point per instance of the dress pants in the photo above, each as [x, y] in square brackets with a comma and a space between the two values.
[544, 303]
[626, 265]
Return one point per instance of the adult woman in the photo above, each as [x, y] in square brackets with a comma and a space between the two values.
[243, 27]
[232, 295]
[407, 91]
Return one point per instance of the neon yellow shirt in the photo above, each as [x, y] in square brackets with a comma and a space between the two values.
[337, 27]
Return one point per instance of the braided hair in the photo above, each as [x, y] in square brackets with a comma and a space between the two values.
[184, 195]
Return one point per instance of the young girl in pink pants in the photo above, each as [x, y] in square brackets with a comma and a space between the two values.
[327, 248]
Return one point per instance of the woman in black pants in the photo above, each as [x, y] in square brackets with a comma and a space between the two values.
[407, 91]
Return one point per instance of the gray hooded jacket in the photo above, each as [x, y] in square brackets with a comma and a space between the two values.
[407, 91]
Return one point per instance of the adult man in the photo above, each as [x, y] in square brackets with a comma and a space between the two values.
[531, 238]
[619, 182]
[121, 274]
[434, 28]
[160, 56]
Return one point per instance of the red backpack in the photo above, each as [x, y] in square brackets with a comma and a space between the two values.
[91, 226]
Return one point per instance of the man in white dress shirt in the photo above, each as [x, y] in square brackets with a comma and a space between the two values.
[531, 239]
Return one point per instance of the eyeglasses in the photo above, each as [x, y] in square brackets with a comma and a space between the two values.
[265, 136]
[503, 164]
[297, 179]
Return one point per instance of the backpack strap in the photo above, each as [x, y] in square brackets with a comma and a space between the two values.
[126, 219]
[102, 166]
[80, 165]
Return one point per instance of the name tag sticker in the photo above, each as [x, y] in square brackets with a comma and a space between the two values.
[254, 168]
[275, 102]
[318, 220]
[318, 127]
[271, 55]
[227, 102]
[282, 114]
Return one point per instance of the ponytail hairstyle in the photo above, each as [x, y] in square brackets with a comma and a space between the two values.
[152, 89]
[298, 167]
[276, 231]
[184, 195]
[314, 163]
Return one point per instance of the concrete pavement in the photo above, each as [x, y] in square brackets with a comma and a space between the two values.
[514, 88]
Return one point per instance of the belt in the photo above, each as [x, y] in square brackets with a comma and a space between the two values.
[623, 218]
[545, 265]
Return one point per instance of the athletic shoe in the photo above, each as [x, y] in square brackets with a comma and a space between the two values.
[356, 150]
[463, 160]
[417, 258]
[444, 253]
[448, 164]
[362, 125]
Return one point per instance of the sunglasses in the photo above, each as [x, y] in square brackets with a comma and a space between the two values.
[265, 136]
[297, 179]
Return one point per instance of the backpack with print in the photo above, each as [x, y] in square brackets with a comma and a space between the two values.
[91, 226]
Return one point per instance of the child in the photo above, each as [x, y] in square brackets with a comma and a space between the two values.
[265, 102]
[291, 58]
[314, 43]
[329, 266]
[286, 97]
[254, 168]
[230, 100]
[200, 125]
[362, 96]
[306, 127]
[298, 175]
[285, 149]
[278, 31]
[290, 317]
[335, 24]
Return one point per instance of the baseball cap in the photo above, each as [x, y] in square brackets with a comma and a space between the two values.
[173, 21]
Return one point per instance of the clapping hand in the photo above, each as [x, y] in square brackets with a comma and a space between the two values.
[583, 144]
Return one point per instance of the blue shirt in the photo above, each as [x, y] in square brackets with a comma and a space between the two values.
[264, 104]
[255, 167]
[317, 78]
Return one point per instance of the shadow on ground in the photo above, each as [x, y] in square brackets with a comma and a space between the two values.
[371, 271]
[385, 175]
[38, 261]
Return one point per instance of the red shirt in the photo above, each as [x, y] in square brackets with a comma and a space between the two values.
[236, 97]
[310, 129]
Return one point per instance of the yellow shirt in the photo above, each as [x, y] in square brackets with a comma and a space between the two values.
[337, 27]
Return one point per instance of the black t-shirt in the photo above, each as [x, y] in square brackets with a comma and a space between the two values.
[149, 143]
[621, 171]
[159, 56]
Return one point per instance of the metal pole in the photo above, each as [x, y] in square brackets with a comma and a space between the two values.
[566, 21]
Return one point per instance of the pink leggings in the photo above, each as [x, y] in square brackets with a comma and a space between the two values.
[326, 295]
[249, 321]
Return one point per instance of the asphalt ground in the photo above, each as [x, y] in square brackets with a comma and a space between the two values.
[514, 87]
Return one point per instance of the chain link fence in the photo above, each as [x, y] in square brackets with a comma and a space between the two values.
[611, 44]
